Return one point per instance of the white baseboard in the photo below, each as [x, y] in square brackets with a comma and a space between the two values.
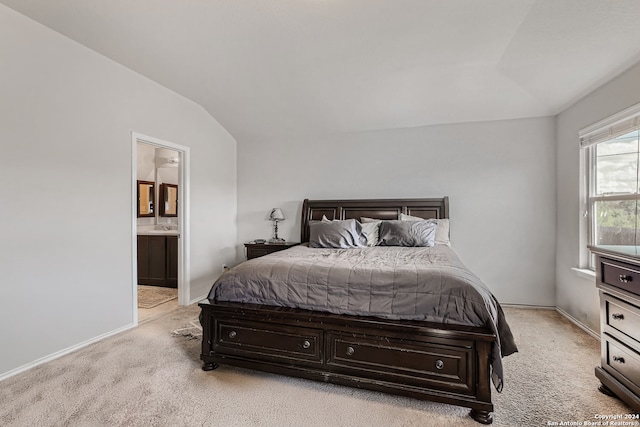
[63, 352]
[195, 300]
[578, 323]
[530, 307]
[563, 313]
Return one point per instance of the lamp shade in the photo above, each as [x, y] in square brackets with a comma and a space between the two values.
[276, 215]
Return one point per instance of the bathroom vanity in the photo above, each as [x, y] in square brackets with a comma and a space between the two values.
[158, 258]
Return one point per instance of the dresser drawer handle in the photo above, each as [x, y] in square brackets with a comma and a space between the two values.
[617, 316]
[306, 344]
[618, 359]
[350, 351]
[624, 278]
[232, 334]
[439, 364]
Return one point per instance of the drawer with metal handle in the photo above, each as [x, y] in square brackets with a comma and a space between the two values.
[622, 316]
[443, 367]
[622, 362]
[269, 341]
[621, 275]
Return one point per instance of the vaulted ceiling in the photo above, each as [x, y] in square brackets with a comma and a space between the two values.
[269, 68]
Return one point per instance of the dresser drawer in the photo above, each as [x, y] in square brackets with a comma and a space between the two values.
[439, 366]
[621, 275]
[622, 316]
[622, 362]
[268, 341]
[257, 252]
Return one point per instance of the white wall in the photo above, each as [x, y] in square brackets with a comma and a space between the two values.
[576, 295]
[66, 117]
[500, 177]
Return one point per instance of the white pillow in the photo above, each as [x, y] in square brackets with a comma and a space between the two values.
[442, 229]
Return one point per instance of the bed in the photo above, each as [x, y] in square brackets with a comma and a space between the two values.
[285, 324]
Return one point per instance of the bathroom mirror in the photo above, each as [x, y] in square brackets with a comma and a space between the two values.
[169, 200]
[146, 198]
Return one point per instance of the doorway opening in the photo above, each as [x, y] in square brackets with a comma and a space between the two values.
[160, 226]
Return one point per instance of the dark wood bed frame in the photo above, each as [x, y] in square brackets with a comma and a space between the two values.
[428, 361]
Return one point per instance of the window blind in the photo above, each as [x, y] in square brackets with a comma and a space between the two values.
[613, 126]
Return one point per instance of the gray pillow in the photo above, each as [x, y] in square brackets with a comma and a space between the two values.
[408, 233]
[336, 234]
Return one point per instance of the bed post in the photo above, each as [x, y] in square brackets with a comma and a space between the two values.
[304, 237]
[207, 337]
[445, 201]
[484, 383]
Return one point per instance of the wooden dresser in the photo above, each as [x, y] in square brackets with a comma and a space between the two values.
[618, 279]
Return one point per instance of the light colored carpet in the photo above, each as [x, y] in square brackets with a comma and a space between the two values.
[151, 376]
[153, 296]
[192, 330]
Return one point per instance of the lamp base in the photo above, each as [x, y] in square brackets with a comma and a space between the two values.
[276, 240]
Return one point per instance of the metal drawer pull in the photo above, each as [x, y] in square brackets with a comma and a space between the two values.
[350, 351]
[618, 359]
[624, 278]
[232, 334]
[306, 344]
[439, 364]
[617, 316]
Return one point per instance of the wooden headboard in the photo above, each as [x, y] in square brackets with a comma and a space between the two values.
[371, 208]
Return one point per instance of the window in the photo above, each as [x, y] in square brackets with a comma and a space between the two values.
[613, 196]
[612, 187]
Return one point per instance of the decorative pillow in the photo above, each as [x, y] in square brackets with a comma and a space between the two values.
[371, 231]
[442, 229]
[408, 233]
[336, 234]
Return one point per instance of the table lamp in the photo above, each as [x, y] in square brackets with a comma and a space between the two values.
[276, 216]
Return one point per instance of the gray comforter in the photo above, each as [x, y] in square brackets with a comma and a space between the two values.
[429, 284]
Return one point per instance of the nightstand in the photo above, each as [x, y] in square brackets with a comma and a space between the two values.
[255, 250]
